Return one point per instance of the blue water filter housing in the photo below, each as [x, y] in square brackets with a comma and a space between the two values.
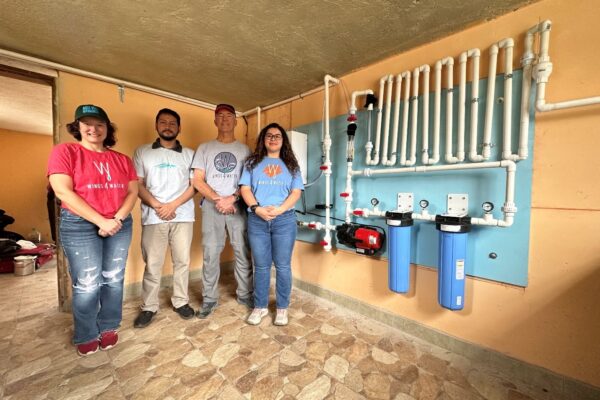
[399, 233]
[453, 260]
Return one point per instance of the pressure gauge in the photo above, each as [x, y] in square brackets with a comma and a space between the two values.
[487, 207]
[423, 204]
[374, 201]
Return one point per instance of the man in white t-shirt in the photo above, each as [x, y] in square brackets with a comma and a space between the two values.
[165, 188]
[217, 169]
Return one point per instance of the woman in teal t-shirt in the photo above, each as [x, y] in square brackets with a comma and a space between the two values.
[271, 183]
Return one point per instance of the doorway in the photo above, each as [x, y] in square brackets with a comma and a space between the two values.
[27, 134]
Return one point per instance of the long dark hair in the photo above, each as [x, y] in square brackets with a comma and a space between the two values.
[286, 153]
[111, 138]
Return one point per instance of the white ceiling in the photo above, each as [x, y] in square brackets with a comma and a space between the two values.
[25, 106]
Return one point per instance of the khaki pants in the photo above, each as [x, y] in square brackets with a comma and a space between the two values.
[155, 239]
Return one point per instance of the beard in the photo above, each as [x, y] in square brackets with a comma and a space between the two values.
[168, 135]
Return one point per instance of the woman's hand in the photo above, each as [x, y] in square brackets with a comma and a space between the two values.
[109, 227]
[264, 212]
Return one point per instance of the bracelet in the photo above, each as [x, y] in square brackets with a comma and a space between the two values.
[118, 219]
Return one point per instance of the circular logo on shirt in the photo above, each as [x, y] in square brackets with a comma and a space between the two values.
[225, 162]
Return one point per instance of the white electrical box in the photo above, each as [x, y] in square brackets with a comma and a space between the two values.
[299, 143]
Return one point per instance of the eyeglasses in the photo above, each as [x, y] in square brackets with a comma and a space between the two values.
[273, 137]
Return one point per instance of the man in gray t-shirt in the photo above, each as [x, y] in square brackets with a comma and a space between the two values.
[217, 169]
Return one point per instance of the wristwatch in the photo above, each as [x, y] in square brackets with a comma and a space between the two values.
[253, 207]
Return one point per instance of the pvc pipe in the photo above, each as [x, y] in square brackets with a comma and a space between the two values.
[507, 44]
[425, 128]
[414, 103]
[406, 77]
[355, 94]
[370, 213]
[388, 113]
[473, 155]
[449, 63]
[327, 164]
[489, 103]
[252, 111]
[396, 117]
[369, 145]
[462, 98]
[509, 209]
[543, 69]
[348, 191]
[436, 115]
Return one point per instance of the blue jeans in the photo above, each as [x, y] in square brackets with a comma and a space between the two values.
[272, 242]
[97, 269]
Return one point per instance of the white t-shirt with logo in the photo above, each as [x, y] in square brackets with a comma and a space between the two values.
[167, 175]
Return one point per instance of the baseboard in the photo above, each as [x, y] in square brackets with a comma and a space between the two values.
[509, 367]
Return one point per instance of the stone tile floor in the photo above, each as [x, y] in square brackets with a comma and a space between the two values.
[326, 352]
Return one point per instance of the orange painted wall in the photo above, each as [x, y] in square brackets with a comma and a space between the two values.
[555, 321]
[23, 188]
[134, 118]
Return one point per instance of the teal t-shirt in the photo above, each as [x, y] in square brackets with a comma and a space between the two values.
[271, 182]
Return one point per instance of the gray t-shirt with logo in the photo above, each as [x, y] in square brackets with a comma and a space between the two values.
[222, 164]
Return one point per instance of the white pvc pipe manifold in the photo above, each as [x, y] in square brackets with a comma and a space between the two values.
[509, 209]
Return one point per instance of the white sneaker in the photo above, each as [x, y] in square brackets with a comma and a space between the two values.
[256, 316]
[281, 318]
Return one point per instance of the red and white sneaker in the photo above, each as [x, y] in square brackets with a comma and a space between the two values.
[108, 340]
[85, 349]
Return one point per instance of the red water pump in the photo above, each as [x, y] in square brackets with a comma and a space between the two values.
[366, 239]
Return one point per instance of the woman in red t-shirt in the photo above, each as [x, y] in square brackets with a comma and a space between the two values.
[97, 188]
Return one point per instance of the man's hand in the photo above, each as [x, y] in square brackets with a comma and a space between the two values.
[226, 205]
[166, 211]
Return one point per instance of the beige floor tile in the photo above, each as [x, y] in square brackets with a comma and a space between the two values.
[325, 352]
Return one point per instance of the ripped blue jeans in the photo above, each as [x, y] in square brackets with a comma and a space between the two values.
[97, 269]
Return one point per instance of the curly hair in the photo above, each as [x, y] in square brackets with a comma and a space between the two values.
[286, 153]
[111, 138]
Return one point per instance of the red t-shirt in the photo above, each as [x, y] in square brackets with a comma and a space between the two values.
[100, 179]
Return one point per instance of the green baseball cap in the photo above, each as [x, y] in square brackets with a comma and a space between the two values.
[90, 110]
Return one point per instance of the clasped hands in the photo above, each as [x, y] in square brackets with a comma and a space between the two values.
[268, 213]
[110, 227]
[225, 205]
